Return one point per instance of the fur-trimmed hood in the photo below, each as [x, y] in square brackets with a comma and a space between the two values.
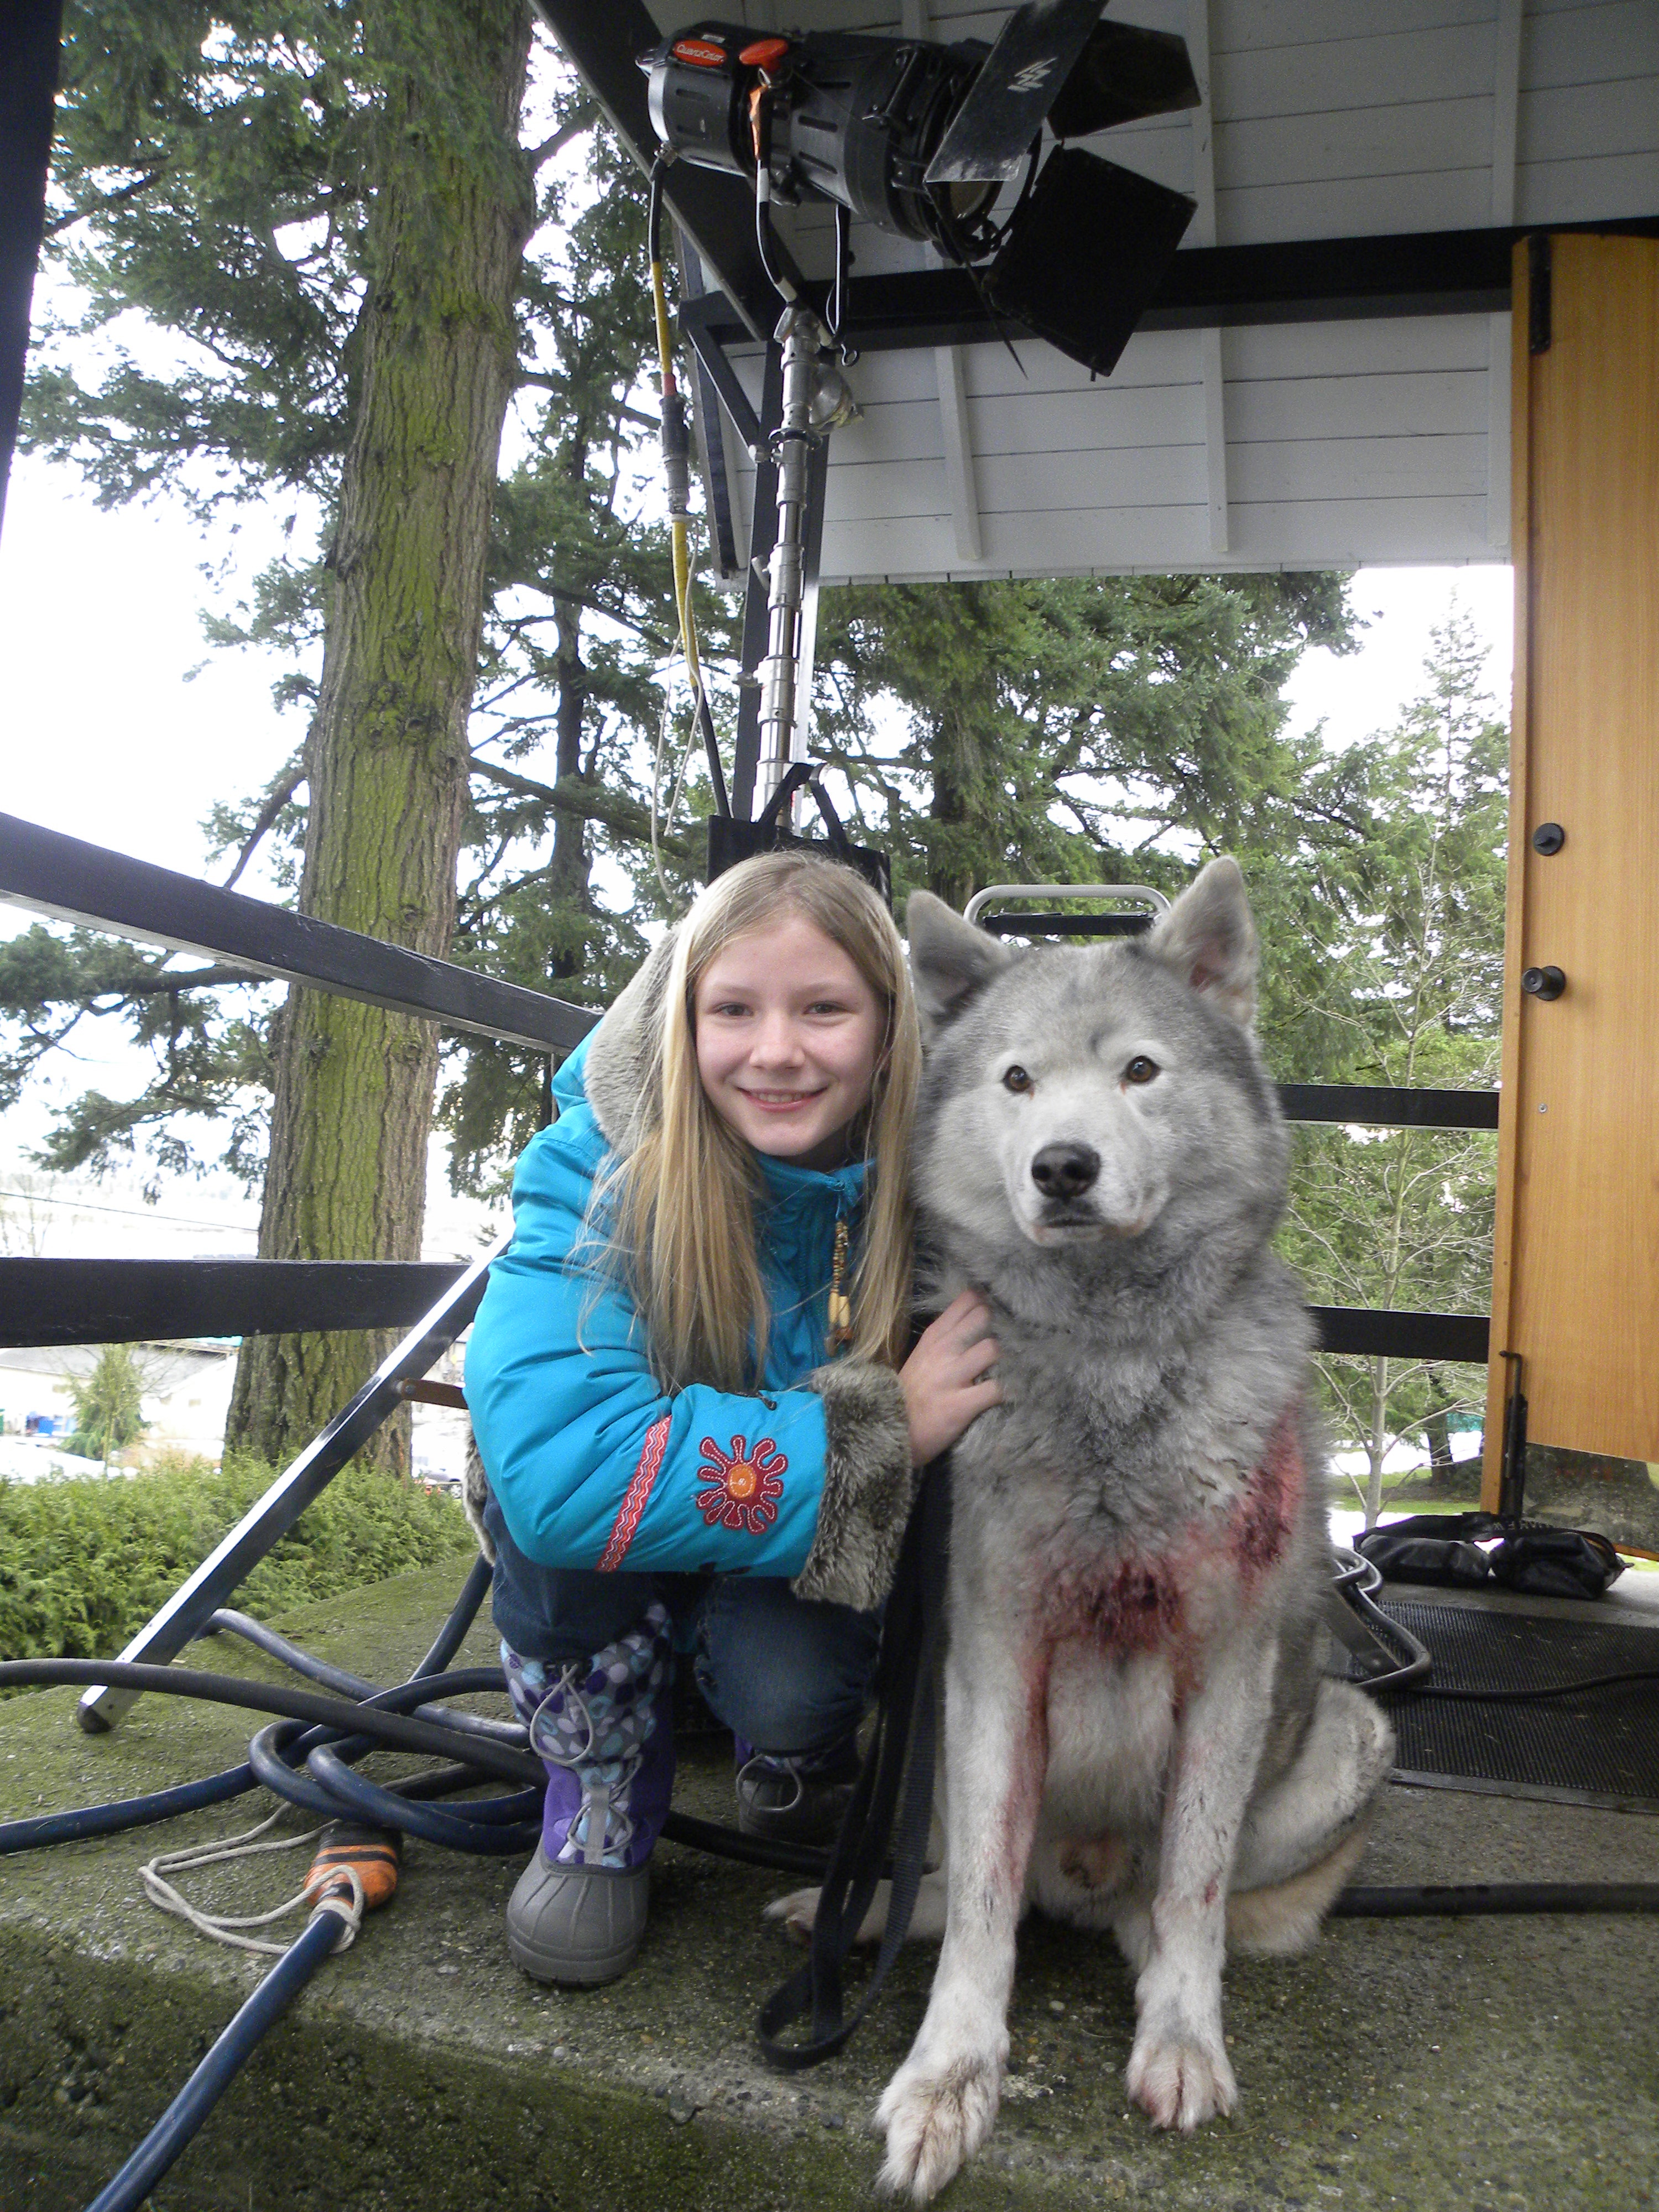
[617, 1057]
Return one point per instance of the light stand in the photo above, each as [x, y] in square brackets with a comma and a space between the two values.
[815, 399]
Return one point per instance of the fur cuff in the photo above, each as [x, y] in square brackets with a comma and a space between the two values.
[869, 1484]
[474, 1496]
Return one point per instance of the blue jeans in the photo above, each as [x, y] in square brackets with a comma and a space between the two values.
[787, 1675]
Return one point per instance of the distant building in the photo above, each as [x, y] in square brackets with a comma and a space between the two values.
[185, 1400]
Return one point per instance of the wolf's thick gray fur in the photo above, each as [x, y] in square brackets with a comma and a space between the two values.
[1136, 1724]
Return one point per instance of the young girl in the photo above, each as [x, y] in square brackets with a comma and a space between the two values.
[688, 1385]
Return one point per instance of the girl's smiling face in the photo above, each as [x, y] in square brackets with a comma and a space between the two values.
[788, 1036]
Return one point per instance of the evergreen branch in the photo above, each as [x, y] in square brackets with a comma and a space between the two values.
[475, 907]
[488, 706]
[588, 802]
[657, 641]
[1075, 808]
[583, 119]
[105, 201]
[308, 210]
[542, 382]
[151, 985]
[276, 799]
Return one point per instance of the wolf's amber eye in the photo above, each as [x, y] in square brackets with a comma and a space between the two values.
[1016, 1078]
[1140, 1069]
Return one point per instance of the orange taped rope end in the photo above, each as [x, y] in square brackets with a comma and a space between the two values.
[372, 1854]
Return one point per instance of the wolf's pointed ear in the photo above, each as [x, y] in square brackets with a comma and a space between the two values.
[1209, 940]
[950, 959]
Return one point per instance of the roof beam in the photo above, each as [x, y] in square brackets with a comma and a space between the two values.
[1430, 272]
[1211, 368]
[956, 433]
[958, 450]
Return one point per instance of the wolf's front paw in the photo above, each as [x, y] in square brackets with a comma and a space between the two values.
[798, 1912]
[1180, 2078]
[936, 2115]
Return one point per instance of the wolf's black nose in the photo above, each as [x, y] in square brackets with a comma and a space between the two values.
[1063, 1170]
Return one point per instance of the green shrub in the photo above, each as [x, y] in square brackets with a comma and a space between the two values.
[85, 1561]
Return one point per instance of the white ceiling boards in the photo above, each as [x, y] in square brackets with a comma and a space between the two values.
[1245, 438]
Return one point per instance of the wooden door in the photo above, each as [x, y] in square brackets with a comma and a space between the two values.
[1576, 1286]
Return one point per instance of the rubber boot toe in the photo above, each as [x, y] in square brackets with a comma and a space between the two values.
[576, 1924]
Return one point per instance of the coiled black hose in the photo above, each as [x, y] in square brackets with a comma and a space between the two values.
[435, 1731]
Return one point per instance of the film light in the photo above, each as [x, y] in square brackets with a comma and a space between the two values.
[919, 138]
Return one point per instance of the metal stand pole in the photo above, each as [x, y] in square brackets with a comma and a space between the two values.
[800, 335]
[266, 1521]
[815, 399]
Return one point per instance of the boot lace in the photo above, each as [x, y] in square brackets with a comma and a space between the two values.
[602, 1779]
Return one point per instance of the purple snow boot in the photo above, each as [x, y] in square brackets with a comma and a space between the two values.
[602, 1728]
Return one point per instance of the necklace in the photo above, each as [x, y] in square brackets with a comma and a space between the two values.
[840, 1308]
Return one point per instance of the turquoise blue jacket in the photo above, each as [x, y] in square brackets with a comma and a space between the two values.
[591, 1464]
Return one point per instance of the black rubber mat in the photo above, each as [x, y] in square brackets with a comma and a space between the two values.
[1599, 1748]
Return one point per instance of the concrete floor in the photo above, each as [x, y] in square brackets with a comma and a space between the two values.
[1474, 2064]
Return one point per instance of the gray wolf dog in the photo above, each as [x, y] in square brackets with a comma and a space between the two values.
[1139, 1736]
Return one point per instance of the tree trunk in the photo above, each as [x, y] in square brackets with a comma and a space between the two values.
[567, 881]
[387, 754]
[950, 810]
[1377, 1440]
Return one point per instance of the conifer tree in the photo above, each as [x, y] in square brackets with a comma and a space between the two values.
[1409, 989]
[328, 206]
[108, 1404]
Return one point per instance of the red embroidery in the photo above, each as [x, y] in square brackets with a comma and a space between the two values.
[633, 1504]
[744, 1485]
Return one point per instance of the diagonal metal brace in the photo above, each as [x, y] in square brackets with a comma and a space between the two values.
[265, 1523]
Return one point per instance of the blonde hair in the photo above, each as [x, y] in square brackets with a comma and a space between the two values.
[680, 1210]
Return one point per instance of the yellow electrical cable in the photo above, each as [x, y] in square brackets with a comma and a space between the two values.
[676, 523]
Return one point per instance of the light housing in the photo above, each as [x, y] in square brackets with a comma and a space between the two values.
[919, 138]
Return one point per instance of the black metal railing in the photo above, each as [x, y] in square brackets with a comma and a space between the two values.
[71, 881]
[59, 1301]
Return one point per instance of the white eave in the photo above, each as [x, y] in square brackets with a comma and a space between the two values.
[1307, 444]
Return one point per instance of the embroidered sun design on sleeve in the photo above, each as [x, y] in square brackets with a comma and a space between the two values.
[744, 1487]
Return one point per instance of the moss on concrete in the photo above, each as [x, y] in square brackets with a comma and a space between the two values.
[1498, 2063]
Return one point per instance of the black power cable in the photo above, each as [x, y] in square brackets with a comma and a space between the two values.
[1431, 1900]
[1480, 1696]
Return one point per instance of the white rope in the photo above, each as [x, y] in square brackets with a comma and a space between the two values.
[221, 1926]
[662, 824]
